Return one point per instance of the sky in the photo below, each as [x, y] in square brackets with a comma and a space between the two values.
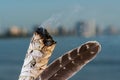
[26, 13]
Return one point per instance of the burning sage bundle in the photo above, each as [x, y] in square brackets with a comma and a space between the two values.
[40, 49]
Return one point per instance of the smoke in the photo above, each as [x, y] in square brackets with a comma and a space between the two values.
[53, 20]
[66, 18]
[73, 14]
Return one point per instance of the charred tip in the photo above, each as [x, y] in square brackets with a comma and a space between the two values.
[42, 31]
[47, 39]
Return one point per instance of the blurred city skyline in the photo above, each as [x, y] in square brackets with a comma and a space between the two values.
[81, 28]
[26, 13]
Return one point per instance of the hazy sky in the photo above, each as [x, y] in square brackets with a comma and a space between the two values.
[28, 12]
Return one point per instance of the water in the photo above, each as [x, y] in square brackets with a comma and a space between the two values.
[106, 66]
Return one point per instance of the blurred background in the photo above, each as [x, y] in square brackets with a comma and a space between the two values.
[71, 23]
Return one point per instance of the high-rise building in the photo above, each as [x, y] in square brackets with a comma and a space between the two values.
[1, 31]
[79, 28]
[89, 29]
[99, 30]
[86, 29]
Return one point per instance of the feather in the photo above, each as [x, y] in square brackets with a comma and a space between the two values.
[67, 65]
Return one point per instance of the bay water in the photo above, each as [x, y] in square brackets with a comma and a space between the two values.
[106, 66]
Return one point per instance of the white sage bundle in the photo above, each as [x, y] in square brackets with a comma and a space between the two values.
[65, 66]
[39, 51]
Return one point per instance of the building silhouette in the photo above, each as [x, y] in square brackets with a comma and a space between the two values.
[79, 28]
[85, 29]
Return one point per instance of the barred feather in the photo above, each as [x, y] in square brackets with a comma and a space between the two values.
[39, 51]
[65, 66]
